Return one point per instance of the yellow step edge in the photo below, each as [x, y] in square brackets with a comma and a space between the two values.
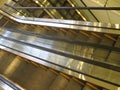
[38, 26]
[46, 27]
[21, 1]
[54, 29]
[63, 30]
[92, 86]
[78, 81]
[19, 57]
[12, 21]
[53, 71]
[64, 75]
[110, 37]
[22, 58]
[84, 33]
[32, 26]
[29, 4]
[5, 17]
[35, 64]
[96, 35]
[43, 67]
[73, 32]
[4, 24]
[27, 60]
[8, 19]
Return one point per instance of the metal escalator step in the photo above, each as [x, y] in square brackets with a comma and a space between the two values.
[80, 37]
[100, 72]
[44, 82]
[93, 39]
[72, 85]
[100, 54]
[6, 55]
[87, 51]
[59, 83]
[23, 74]
[89, 86]
[31, 77]
[1, 53]
[28, 74]
[5, 60]
[104, 53]
[2, 21]
[114, 57]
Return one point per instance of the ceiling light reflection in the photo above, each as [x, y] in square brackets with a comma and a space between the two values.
[12, 67]
[118, 88]
[37, 2]
[117, 26]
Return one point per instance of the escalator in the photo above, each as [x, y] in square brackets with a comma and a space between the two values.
[62, 54]
[33, 76]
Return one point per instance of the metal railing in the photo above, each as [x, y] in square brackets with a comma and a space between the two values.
[68, 24]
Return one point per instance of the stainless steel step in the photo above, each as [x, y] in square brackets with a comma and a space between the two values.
[114, 57]
[59, 84]
[45, 81]
[101, 54]
[33, 76]
[89, 87]
[80, 50]
[72, 85]
[86, 68]
[5, 60]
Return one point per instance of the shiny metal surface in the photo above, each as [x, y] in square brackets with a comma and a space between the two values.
[97, 82]
[73, 49]
[6, 84]
[51, 59]
[66, 64]
[76, 25]
[33, 76]
[69, 22]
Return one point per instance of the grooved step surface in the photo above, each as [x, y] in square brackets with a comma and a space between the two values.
[72, 85]
[87, 88]
[59, 83]
[33, 77]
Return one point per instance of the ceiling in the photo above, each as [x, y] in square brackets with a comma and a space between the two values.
[102, 16]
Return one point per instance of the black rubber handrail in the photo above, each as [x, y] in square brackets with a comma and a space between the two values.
[80, 8]
[79, 58]
[78, 42]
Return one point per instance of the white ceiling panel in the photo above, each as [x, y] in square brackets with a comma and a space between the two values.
[104, 16]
